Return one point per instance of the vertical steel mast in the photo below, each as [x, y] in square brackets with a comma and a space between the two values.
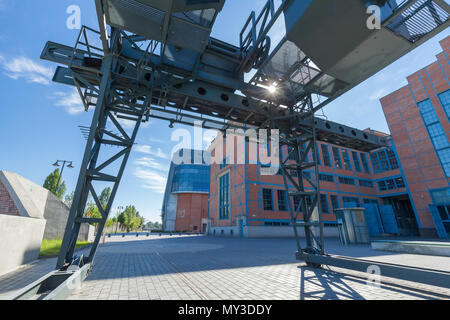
[106, 131]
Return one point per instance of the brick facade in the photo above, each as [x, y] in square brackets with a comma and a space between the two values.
[423, 170]
[7, 205]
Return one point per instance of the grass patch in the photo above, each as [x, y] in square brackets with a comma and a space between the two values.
[52, 247]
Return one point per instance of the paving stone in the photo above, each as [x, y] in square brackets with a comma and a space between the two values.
[196, 268]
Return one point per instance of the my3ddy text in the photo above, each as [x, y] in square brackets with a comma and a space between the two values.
[225, 310]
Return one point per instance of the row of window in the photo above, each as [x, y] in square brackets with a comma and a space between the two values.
[384, 160]
[358, 161]
[343, 180]
[268, 201]
[391, 184]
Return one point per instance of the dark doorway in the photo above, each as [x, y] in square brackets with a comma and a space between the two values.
[404, 214]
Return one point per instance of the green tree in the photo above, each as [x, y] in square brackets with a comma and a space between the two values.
[104, 197]
[130, 219]
[109, 223]
[69, 199]
[50, 184]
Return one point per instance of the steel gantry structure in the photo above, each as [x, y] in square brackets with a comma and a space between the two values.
[157, 59]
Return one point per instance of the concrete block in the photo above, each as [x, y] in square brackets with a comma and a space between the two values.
[20, 241]
[414, 247]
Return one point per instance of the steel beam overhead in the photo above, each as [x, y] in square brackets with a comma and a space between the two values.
[157, 59]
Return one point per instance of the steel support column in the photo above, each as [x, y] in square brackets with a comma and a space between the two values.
[109, 108]
[301, 177]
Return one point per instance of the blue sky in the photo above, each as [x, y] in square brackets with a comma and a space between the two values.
[39, 119]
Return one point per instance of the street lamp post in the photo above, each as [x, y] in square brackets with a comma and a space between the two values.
[57, 164]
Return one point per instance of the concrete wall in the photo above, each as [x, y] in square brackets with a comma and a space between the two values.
[284, 232]
[224, 231]
[33, 201]
[266, 232]
[56, 213]
[20, 241]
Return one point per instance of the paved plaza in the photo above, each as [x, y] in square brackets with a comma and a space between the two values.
[208, 268]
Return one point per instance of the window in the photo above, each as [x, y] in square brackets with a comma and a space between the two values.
[441, 196]
[224, 196]
[390, 184]
[268, 199]
[444, 212]
[370, 201]
[375, 163]
[347, 164]
[384, 160]
[445, 101]
[325, 156]
[400, 183]
[365, 163]
[334, 202]
[436, 131]
[356, 161]
[350, 202]
[276, 224]
[345, 180]
[366, 183]
[337, 158]
[384, 163]
[326, 177]
[382, 186]
[282, 200]
[324, 203]
[392, 159]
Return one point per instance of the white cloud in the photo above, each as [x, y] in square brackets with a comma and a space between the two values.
[151, 179]
[377, 95]
[146, 149]
[150, 163]
[27, 69]
[156, 140]
[71, 101]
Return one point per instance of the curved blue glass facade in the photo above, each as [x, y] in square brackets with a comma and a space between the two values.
[191, 178]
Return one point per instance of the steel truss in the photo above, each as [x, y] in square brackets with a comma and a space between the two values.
[112, 105]
[302, 188]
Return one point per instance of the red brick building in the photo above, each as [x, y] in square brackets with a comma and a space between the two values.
[410, 178]
[418, 118]
[245, 202]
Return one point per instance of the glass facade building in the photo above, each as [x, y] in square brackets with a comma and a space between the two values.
[185, 204]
